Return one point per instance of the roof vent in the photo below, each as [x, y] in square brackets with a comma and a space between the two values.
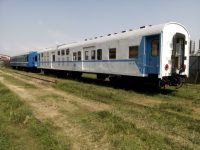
[95, 38]
[109, 34]
[115, 33]
[142, 27]
[85, 39]
[130, 29]
[123, 31]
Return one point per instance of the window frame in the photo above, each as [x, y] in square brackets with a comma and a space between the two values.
[99, 57]
[93, 54]
[67, 51]
[74, 56]
[53, 58]
[79, 55]
[86, 56]
[112, 51]
[136, 49]
[62, 52]
[153, 54]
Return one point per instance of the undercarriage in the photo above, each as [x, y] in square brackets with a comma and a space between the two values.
[174, 80]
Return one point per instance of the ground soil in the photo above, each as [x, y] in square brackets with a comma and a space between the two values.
[45, 107]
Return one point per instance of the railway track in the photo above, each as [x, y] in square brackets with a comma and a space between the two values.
[38, 78]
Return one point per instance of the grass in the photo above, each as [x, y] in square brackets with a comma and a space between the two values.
[122, 133]
[91, 91]
[135, 123]
[18, 82]
[136, 119]
[181, 108]
[19, 129]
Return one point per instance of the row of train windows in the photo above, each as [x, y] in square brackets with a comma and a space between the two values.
[77, 56]
[97, 54]
[24, 59]
[133, 53]
[20, 59]
[63, 52]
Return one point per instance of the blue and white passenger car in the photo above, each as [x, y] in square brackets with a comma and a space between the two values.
[158, 51]
[26, 61]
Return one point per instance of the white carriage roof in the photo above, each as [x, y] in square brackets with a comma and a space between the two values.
[145, 30]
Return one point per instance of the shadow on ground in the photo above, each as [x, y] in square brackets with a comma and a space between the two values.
[136, 85]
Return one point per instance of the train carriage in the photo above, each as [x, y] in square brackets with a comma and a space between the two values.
[159, 51]
[25, 61]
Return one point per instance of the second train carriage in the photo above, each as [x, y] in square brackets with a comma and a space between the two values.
[159, 51]
[25, 61]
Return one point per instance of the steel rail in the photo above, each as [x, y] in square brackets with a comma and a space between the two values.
[42, 79]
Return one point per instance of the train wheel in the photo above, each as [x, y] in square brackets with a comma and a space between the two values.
[161, 85]
[180, 81]
[101, 76]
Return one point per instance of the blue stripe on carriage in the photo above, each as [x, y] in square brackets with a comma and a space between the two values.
[114, 60]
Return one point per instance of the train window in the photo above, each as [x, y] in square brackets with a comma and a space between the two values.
[99, 54]
[86, 55]
[67, 51]
[112, 53]
[62, 52]
[133, 51]
[93, 55]
[58, 52]
[154, 47]
[79, 55]
[41, 54]
[74, 56]
[179, 46]
[53, 58]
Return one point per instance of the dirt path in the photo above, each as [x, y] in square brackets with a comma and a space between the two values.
[49, 103]
[58, 106]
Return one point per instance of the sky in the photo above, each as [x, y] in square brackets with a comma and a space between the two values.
[27, 25]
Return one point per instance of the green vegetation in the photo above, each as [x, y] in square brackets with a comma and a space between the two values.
[140, 120]
[124, 119]
[92, 91]
[19, 129]
[11, 79]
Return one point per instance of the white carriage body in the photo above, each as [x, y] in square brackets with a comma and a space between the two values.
[142, 65]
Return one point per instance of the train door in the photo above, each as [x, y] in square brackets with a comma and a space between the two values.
[38, 55]
[153, 54]
[53, 59]
[178, 53]
[87, 57]
[35, 60]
